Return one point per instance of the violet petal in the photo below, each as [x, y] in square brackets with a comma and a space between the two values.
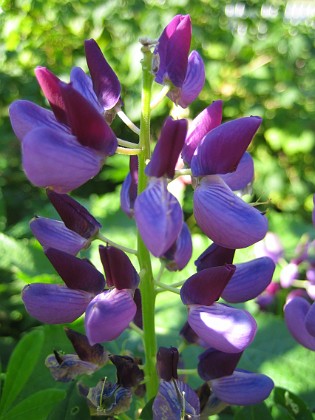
[194, 81]
[75, 272]
[166, 363]
[25, 116]
[310, 320]
[105, 82]
[226, 218]
[108, 315]
[54, 304]
[74, 216]
[249, 280]
[270, 246]
[119, 270]
[243, 388]
[214, 256]
[223, 327]
[167, 149]
[51, 86]
[221, 150]
[159, 217]
[87, 124]
[288, 274]
[128, 193]
[214, 364]
[57, 160]
[68, 367]
[243, 175]
[206, 121]
[178, 256]
[295, 312]
[206, 286]
[83, 84]
[54, 234]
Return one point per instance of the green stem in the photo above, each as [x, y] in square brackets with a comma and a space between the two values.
[147, 285]
[166, 287]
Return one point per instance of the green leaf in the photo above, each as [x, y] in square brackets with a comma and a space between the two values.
[73, 407]
[146, 413]
[292, 403]
[37, 406]
[254, 412]
[20, 367]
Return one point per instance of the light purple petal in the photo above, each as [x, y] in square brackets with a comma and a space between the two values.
[159, 217]
[194, 81]
[226, 218]
[270, 246]
[223, 327]
[295, 312]
[87, 124]
[206, 121]
[221, 150]
[243, 175]
[75, 272]
[310, 320]
[243, 388]
[108, 315]
[58, 161]
[83, 84]
[288, 274]
[167, 403]
[54, 304]
[173, 49]
[105, 82]
[249, 280]
[54, 234]
[68, 367]
[25, 116]
[178, 256]
[51, 86]
[167, 149]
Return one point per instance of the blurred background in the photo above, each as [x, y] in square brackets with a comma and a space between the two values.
[260, 60]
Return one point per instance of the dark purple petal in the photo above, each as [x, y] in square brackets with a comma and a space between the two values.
[54, 304]
[173, 49]
[105, 82]
[168, 403]
[25, 116]
[108, 315]
[222, 327]
[221, 150]
[190, 336]
[51, 86]
[214, 256]
[310, 320]
[226, 218]
[107, 398]
[66, 367]
[214, 364]
[243, 175]
[94, 354]
[249, 280]
[74, 216]
[159, 217]
[206, 121]
[243, 388]
[83, 84]
[128, 193]
[194, 81]
[54, 234]
[167, 149]
[270, 246]
[87, 124]
[138, 301]
[166, 363]
[57, 160]
[295, 313]
[206, 286]
[178, 256]
[119, 271]
[128, 372]
[76, 273]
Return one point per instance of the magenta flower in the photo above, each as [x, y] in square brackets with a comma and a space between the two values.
[185, 73]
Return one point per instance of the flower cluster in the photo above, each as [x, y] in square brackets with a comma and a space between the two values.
[65, 147]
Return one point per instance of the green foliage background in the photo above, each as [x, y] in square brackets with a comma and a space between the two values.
[258, 64]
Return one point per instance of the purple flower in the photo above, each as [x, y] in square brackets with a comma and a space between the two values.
[222, 327]
[226, 218]
[288, 274]
[270, 246]
[158, 216]
[242, 388]
[214, 256]
[185, 73]
[178, 256]
[129, 188]
[214, 364]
